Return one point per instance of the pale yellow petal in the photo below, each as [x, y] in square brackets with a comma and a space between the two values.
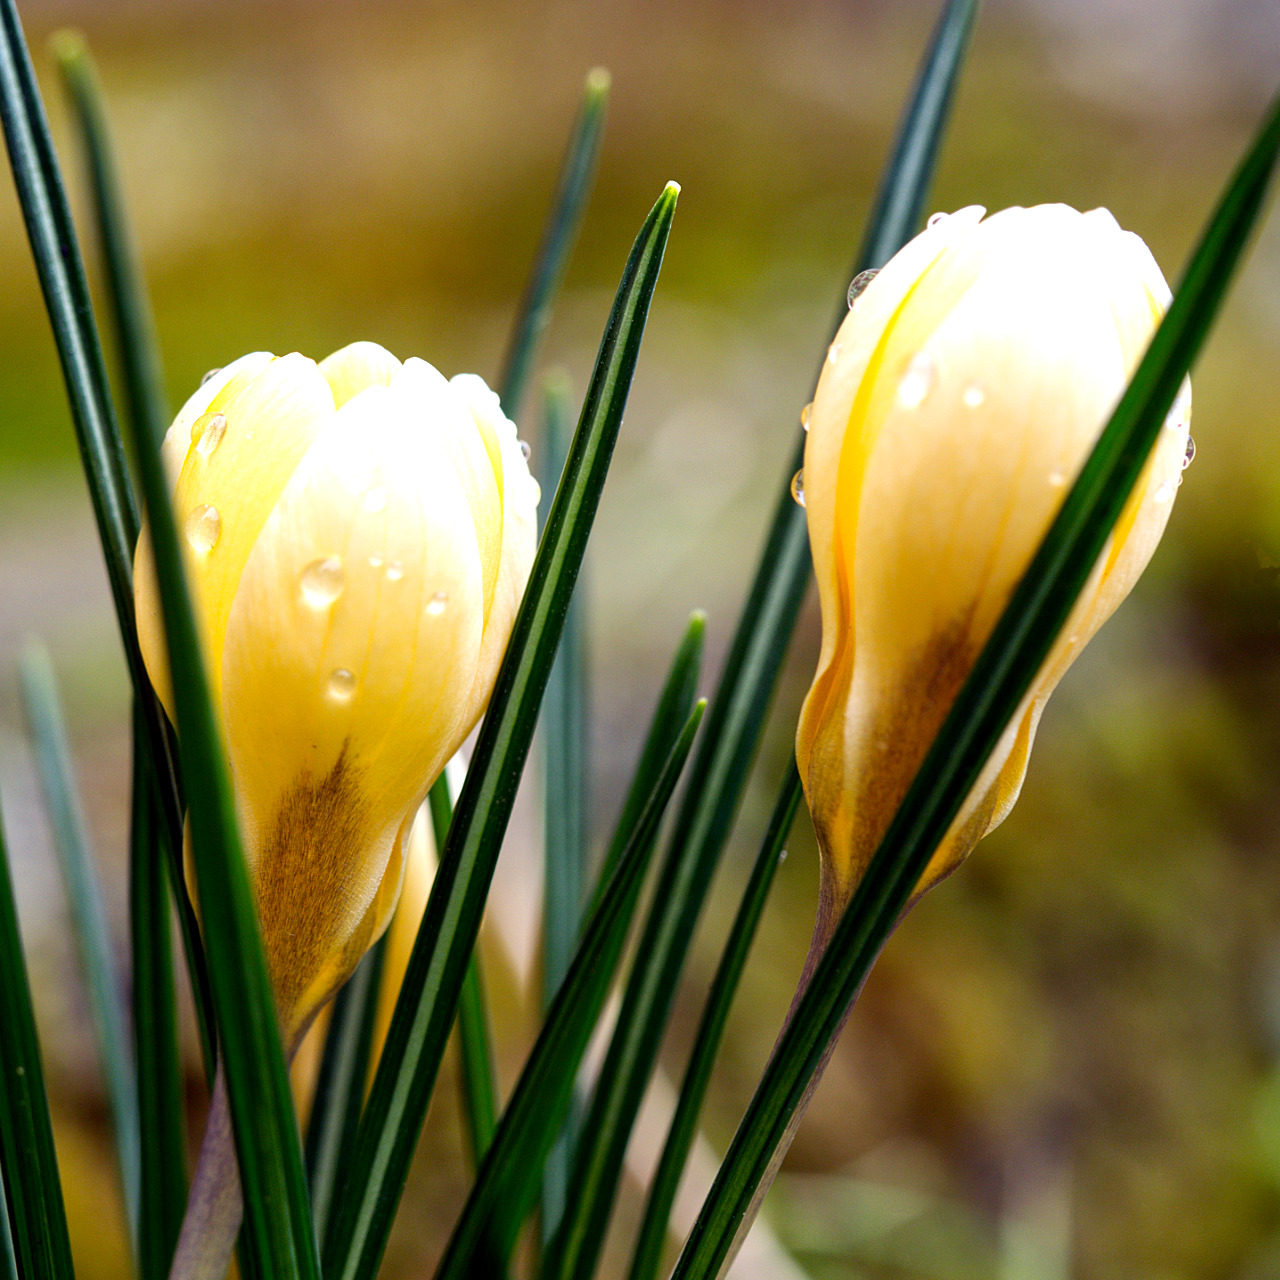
[351, 647]
[352, 368]
[263, 424]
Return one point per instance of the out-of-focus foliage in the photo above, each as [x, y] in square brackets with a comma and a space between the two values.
[1069, 1050]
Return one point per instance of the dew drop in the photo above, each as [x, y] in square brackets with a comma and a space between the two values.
[797, 487]
[1165, 491]
[782, 857]
[208, 432]
[375, 560]
[973, 396]
[805, 414]
[213, 373]
[859, 283]
[395, 571]
[1056, 478]
[1190, 453]
[322, 582]
[936, 218]
[917, 381]
[437, 604]
[375, 499]
[341, 686]
[833, 352]
[525, 452]
[203, 526]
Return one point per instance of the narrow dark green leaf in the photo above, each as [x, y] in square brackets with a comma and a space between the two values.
[28, 1162]
[163, 1179]
[148, 411]
[479, 1074]
[988, 700]
[669, 715]
[736, 716]
[684, 1124]
[8, 1261]
[88, 913]
[576, 177]
[564, 730]
[507, 1184]
[145, 399]
[277, 1208]
[344, 1071]
[429, 995]
[60, 268]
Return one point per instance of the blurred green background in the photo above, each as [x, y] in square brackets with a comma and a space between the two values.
[1067, 1063]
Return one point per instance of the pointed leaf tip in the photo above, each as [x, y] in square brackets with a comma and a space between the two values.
[598, 83]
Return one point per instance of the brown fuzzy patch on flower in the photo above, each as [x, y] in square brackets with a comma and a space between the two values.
[304, 898]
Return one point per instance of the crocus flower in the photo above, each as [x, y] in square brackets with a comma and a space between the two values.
[961, 396]
[359, 533]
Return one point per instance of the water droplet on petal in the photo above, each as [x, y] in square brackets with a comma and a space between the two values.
[1165, 491]
[1057, 479]
[395, 571]
[375, 499]
[208, 432]
[525, 452]
[322, 582]
[203, 527]
[437, 604]
[917, 381]
[859, 283]
[341, 686]
[797, 487]
[973, 395]
[782, 857]
[1190, 453]
[805, 414]
[213, 373]
[376, 560]
[935, 218]
[833, 352]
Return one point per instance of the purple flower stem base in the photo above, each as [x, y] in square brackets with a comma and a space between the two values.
[215, 1206]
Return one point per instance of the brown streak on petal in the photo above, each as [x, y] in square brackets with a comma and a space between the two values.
[303, 879]
[900, 737]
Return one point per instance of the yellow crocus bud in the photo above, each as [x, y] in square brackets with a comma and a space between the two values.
[961, 396]
[358, 534]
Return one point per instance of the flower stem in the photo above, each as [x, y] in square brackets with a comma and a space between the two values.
[215, 1206]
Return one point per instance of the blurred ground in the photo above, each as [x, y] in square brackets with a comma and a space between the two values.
[1068, 1060]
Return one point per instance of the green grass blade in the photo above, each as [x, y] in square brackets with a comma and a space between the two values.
[564, 730]
[564, 727]
[143, 380]
[88, 914]
[576, 177]
[672, 710]
[148, 411]
[60, 268]
[339, 1097]
[479, 1074]
[8, 1260]
[277, 1208]
[736, 716]
[480, 1089]
[163, 1180]
[988, 700]
[429, 995]
[28, 1162]
[899, 203]
[508, 1182]
[684, 1124]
